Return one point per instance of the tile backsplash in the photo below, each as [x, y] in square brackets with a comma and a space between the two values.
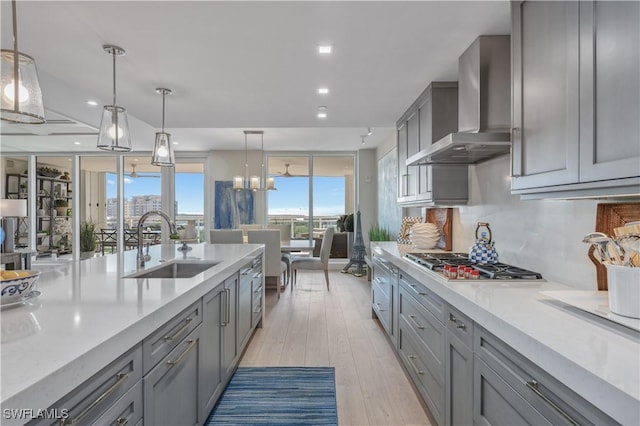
[540, 235]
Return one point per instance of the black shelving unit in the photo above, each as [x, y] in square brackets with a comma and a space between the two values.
[49, 189]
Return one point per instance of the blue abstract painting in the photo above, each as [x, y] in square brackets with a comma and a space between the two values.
[232, 207]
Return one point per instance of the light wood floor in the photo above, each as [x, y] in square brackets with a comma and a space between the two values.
[313, 327]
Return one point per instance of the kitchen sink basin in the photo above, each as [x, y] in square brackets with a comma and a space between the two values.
[175, 269]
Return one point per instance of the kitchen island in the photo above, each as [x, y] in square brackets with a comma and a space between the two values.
[88, 314]
[592, 357]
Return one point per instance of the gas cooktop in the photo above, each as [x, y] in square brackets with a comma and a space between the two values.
[445, 262]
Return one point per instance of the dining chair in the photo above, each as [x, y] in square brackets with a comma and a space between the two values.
[226, 236]
[274, 266]
[315, 263]
[246, 227]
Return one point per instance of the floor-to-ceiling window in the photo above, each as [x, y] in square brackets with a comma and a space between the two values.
[313, 191]
[189, 200]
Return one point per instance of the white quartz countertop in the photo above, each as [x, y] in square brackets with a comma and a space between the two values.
[598, 360]
[88, 315]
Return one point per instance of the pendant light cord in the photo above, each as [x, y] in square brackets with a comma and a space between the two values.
[164, 93]
[114, 76]
[16, 76]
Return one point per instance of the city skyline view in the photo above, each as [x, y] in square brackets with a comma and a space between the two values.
[290, 198]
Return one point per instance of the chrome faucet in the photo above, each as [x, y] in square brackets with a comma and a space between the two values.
[141, 256]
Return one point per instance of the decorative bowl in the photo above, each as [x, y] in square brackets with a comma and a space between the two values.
[14, 289]
[425, 235]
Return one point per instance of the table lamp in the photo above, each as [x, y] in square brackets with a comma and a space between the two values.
[9, 210]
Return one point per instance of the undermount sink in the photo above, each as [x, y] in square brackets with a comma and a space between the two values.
[176, 269]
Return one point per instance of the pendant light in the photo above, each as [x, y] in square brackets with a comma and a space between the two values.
[162, 152]
[243, 182]
[20, 89]
[114, 127]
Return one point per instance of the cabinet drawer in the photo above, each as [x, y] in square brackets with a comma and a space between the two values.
[553, 400]
[128, 409]
[382, 305]
[90, 400]
[460, 325]
[162, 341]
[430, 388]
[423, 295]
[428, 331]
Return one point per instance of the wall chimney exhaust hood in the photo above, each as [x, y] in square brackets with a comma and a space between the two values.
[484, 117]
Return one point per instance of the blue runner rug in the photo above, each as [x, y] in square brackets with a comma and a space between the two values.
[278, 395]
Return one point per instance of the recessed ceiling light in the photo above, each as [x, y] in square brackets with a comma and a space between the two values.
[325, 49]
[76, 143]
[176, 142]
[323, 90]
[92, 103]
[322, 112]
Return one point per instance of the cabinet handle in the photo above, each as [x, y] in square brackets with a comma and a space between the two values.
[227, 315]
[172, 364]
[245, 271]
[415, 368]
[121, 421]
[258, 290]
[459, 324]
[120, 379]
[418, 326]
[179, 332]
[379, 308]
[514, 136]
[452, 318]
[259, 310]
[533, 385]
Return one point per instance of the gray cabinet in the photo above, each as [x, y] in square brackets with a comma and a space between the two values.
[245, 299]
[171, 388]
[91, 400]
[432, 116]
[211, 375]
[509, 389]
[257, 285]
[421, 346]
[230, 350]
[575, 99]
[127, 410]
[384, 282]
[458, 369]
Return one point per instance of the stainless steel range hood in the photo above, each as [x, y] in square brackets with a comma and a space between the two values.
[484, 117]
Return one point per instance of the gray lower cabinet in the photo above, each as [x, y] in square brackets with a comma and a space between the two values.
[421, 345]
[95, 398]
[171, 387]
[383, 295]
[219, 354]
[576, 100]
[245, 298]
[458, 369]
[509, 389]
[127, 410]
[230, 350]
[211, 373]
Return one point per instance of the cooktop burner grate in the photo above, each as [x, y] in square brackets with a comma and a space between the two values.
[496, 271]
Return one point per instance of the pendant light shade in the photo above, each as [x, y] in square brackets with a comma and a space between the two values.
[162, 152]
[22, 101]
[114, 128]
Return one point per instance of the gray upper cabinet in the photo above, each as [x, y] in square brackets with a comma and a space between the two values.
[432, 116]
[609, 90]
[575, 134]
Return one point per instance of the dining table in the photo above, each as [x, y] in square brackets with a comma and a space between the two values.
[297, 245]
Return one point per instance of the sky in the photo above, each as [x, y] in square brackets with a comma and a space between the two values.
[291, 198]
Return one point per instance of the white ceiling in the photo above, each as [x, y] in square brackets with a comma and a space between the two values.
[243, 65]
